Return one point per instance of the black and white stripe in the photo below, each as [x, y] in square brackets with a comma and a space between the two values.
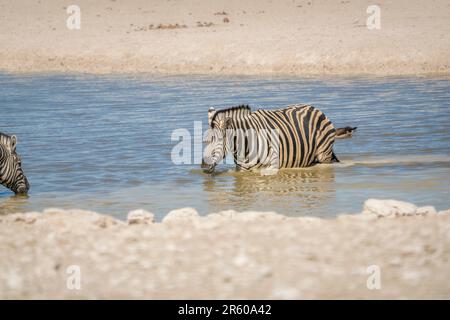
[304, 136]
[11, 173]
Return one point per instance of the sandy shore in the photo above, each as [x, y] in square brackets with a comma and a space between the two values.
[227, 255]
[226, 37]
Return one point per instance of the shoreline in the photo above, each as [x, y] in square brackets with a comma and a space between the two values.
[143, 74]
[227, 255]
[46, 72]
[142, 67]
[28, 64]
[294, 38]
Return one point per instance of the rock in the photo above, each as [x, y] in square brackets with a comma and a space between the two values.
[311, 219]
[389, 208]
[104, 221]
[444, 212]
[182, 215]
[140, 216]
[427, 210]
[84, 218]
[241, 260]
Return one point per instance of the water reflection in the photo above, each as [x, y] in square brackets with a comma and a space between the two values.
[307, 188]
[14, 203]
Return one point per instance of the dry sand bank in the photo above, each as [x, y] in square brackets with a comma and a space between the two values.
[227, 255]
[226, 37]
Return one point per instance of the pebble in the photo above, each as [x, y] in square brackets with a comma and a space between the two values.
[140, 217]
[389, 208]
[184, 215]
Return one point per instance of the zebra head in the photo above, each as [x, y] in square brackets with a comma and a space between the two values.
[216, 140]
[11, 173]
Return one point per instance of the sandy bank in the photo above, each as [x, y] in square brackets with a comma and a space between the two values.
[226, 37]
[226, 255]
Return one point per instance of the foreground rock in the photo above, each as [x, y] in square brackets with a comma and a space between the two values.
[80, 254]
[395, 208]
[140, 217]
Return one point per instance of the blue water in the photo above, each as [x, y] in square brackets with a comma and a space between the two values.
[103, 143]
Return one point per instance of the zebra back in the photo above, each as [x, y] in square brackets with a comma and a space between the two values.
[305, 134]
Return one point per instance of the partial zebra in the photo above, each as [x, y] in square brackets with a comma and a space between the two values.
[296, 136]
[11, 173]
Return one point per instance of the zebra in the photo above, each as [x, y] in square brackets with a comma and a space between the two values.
[11, 173]
[299, 135]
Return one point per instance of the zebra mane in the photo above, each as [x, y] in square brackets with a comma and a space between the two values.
[240, 107]
[4, 138]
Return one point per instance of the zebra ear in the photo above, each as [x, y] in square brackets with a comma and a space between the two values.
[211, 112]
[13, 143]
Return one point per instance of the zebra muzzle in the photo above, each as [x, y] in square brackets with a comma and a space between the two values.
[210, 168]
[23, 189]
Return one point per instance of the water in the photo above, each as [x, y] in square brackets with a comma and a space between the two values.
[103, 143]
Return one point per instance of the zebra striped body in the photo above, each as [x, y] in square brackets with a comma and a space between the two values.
[11, 173]
[305, 136]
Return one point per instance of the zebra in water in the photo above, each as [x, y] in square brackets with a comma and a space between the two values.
[293, 137]
[11, 173]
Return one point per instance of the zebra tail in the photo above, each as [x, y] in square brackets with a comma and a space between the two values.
[344, 133]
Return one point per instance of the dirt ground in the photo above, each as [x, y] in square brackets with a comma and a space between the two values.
[226, 37]
[227, 255]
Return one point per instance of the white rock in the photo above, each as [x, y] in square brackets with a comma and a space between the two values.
[184, 214]
[140, 216]
[104, 221]
[241, 260]
[444, 212]
[389, 208]
[427, 210]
